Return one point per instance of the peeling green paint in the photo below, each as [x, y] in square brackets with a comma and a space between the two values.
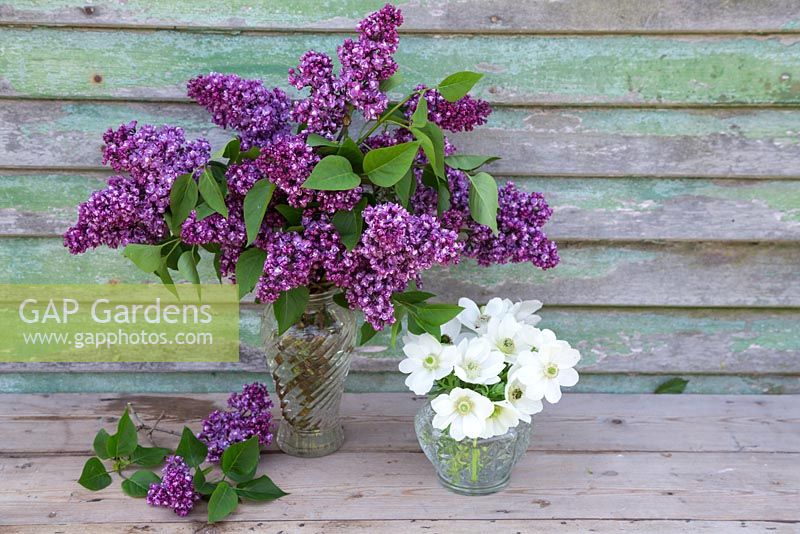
[61, 62]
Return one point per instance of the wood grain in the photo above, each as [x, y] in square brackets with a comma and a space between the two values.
[634, 69]
[532, 142]
[499, 16]
[413, 526]
[619, 209]
[354, 486]
[696, 275]
[580, 422]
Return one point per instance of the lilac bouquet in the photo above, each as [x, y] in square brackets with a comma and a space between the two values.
[339, 187]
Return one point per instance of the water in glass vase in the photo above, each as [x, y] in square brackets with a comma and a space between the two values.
[309, 364]
[471, 466]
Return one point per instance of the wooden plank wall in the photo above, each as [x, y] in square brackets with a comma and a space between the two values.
[665, 133]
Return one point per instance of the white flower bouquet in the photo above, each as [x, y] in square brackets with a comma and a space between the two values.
[488, 373]
[491, 369]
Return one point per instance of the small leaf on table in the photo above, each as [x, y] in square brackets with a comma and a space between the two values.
[222, 503]
[240, 460]
[94, 476]
[148, 456]
[260, 489]
[673, 386]
[138, 483]
[192, 450]
[100, 444]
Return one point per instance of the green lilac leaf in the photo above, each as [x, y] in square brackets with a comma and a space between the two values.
[340, 299]
[332, 173]
[468, 163]
[212, 193]
[431, 138]
[138, 483]
[293, 216]
[289, 307]
[405, 188]
[100, 444]
[387, 166]
[350, 150]
[166, 279]
[94, 476]
[420, 116]
[435, 314]
[483, 200]
[672, 386]
[231, 150]
[202, 211]
[222, 503]
[249, 269]
[145, 257]
[442, 198]
[240, 460]
[203, 486]
[192, 450]
[260, 489]
[412, 297]
[414, 327]
[126, 438]
[148, 456]
[456, 86]
[255, 207]
[350, 224]
[317, 140]
[182, 200]
[366, 333]
[251, 153]
[187, 266]
[390, 83]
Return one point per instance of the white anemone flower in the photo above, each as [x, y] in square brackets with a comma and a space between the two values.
[510, 338]
[477, 363]
[550, 369]
[522, 399]
[451, 332]
[477, 318]
[427, 360]
[505, 416]
[525, 311]
[464, 411]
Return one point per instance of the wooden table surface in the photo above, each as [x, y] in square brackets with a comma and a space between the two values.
[597, 463]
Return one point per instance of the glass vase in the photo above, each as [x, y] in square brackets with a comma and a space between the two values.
[471, 466]
[309, 364]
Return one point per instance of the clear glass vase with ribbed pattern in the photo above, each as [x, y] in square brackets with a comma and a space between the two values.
[309, 364]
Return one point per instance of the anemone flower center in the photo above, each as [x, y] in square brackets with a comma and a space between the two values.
[464, 406]
[430, 362]
[472, 368]
[507, 345]
[516, 393]
[551, 371]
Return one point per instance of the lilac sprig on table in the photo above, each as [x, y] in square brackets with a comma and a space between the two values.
[235, 446]
[338, 185]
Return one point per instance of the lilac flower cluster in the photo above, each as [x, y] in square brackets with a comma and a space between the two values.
[365, 63]
[260, 115]
[460, 116]
[249, 416]
[288, 162]
[395, 248]
[131, 209]
[176, 489]
[520, 239]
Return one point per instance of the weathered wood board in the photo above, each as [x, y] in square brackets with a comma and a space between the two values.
[532, 142]
[43, 204]
[644, 274]
[580, 422]
[503, 16]
[631, 69]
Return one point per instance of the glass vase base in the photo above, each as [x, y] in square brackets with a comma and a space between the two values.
[473, 490]
[309, 443]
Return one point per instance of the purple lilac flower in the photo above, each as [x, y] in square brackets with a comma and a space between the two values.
[369, 60]
[394, 249]
[324, 110]
[288, 162]
[520, 238]
[176, 489]
[260, 115]
[460, 116]
[365, 63]
[249, 416]
[131, 209]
